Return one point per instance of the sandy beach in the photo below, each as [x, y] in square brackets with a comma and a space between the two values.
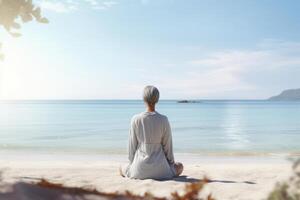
[231, 177]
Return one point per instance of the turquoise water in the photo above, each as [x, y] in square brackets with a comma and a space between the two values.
[221, 127]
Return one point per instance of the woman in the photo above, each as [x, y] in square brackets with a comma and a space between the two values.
[150, 143]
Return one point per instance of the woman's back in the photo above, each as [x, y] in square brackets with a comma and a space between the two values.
[150, 142]
[150, 147]
[151, 127]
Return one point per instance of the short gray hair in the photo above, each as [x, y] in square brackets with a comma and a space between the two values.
[151, 95]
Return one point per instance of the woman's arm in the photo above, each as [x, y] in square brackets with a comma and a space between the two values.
[167, 143]
[132, 144]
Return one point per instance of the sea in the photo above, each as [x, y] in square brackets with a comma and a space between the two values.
[205, 127]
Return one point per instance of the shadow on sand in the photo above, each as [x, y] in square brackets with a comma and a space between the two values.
[187, 179]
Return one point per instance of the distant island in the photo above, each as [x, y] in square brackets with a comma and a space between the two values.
[287, 95]
[188, 101]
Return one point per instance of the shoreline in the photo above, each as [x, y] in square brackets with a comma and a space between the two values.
[48, 159]
[122, 151]
[8, 154]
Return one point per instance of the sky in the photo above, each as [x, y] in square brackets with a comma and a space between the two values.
[193, 49]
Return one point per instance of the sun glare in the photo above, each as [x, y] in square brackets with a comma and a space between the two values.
[15, 69]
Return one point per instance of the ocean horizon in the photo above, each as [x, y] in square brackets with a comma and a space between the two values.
[208, 127]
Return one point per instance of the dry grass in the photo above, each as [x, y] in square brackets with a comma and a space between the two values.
[54, 191]
[192, 192]
[290, 189]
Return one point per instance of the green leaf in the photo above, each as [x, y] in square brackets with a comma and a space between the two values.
[43, 20]
[16, 25]
[14, 34]
[26, 17]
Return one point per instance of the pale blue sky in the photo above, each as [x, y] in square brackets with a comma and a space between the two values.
[111, 49]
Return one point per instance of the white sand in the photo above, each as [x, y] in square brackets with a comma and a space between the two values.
[233, 178]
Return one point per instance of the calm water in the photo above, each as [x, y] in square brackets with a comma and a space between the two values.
[102, 126]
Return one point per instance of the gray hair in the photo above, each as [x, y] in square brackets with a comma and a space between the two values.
[151, 95]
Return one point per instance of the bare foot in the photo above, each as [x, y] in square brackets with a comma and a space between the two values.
[121, 172]
[178, 168]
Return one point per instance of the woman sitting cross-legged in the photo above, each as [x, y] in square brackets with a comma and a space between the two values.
[150, 143]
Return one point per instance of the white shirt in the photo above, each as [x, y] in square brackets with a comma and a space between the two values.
[150, 147]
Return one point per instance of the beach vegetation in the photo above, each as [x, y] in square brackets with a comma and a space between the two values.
[290, 189]
[15, 12]
[51, 191]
